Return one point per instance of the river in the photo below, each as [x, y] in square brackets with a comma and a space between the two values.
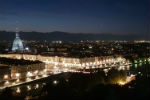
[61, 86]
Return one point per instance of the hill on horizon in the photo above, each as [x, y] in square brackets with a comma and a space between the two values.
[66, 36]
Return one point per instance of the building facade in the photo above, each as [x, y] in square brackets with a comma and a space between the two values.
[18, 69]
[69, 62]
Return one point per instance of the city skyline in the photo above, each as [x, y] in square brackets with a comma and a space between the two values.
[74, 49]
[123, 17]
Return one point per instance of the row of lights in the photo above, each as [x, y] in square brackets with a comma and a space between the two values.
[115, 60]
[29, 88]
[18, 90]
[28, 77]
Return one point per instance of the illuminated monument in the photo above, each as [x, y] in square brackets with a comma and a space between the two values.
[17, 44]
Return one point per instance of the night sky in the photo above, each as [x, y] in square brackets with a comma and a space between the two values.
[76, 16]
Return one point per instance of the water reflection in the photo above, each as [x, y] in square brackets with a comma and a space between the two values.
[36, 86]
[56, 84]
[18, 90]
[135, 65]
[28, 87]
[17, 80]
[140, 64]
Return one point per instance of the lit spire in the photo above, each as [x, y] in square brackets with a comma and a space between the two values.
[17, 29]
[17, 32]
[17, 43]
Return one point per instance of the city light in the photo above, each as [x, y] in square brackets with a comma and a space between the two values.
[26, 48]
[5, 76]
[17, 75]
[107, 63]
[28, 79]
[83, 49]
[28, 87]
[18, 90]
[17, 80]
[29, 74]
[13, 83]
[41, 72]
[7, 82]
[36, 72]
[67, 80]
[45, 70]
[37, 77]
[44, 75]
[55, 82]
[148, 59]
[36, 86]
[121, 83]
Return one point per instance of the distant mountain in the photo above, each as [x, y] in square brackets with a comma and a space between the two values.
[64, 36]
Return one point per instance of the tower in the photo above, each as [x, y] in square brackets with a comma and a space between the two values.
[17, 44]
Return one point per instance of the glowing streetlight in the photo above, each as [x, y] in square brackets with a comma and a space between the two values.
[55, 82]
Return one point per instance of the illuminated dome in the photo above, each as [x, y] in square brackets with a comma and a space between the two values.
[17, 44]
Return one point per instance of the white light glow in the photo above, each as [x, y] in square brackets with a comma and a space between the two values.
[55, 82]
[18, 90]
[17, 75]
[28, 87]
[5, 76]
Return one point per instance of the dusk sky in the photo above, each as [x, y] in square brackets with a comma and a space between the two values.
[85, 16]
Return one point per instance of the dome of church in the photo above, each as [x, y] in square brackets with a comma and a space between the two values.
[17, 44]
